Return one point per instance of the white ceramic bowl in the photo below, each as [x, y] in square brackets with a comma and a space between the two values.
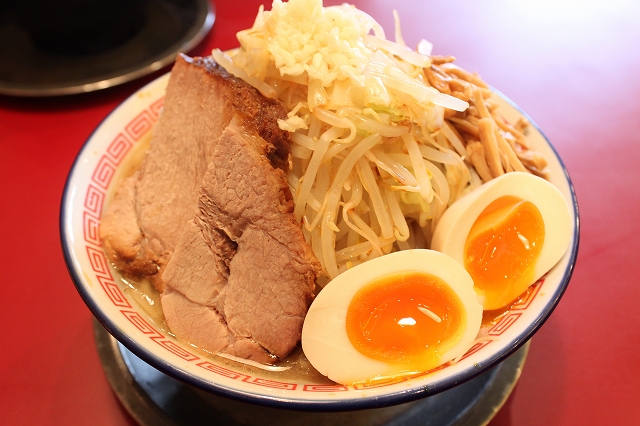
[88, 187]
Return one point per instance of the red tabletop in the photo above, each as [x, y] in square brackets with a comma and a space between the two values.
[573, 66]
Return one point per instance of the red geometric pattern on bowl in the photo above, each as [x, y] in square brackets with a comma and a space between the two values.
[475, 348]
[271, 383]
[93, 200]
[98, 261]
[325, 388]
[119, 148]
[95, 196]
[155, 107]
[508, 320]
[104, 171]
[90, 228]
[141, 324]
[504, 323]
[386, 382]
[516, 311]
[524, 303]
[230, 374]
[176, 349]
[141, 124]
[114, 293]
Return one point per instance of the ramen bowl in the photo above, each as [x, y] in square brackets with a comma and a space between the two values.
[135, 320]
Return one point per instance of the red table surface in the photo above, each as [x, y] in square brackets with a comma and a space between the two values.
[573, 66]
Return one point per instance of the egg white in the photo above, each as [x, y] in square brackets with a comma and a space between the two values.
[453, 228]
[325, 342]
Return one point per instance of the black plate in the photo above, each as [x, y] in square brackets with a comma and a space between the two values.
[33, 67]
[153, 398]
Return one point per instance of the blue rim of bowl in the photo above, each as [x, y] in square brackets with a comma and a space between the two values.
[380, 401]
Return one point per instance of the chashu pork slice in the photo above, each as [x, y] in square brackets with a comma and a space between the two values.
[209, 212]
[242, 276]
[143, 223]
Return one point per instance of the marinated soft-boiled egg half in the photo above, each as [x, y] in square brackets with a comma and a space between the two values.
[404, 313]
[507, 234]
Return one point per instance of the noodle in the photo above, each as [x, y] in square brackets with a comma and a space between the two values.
[384, 138]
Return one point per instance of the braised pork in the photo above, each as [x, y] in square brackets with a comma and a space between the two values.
[209, 218]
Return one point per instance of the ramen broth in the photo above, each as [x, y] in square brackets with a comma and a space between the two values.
[300, 369]
[148, 299]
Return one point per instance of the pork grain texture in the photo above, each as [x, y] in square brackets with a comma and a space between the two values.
[208, 218]
[142, 225]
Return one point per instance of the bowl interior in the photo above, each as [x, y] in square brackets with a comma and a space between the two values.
[106, 159]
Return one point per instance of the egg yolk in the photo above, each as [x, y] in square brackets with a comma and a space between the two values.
[410, 319]
[502, 249]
